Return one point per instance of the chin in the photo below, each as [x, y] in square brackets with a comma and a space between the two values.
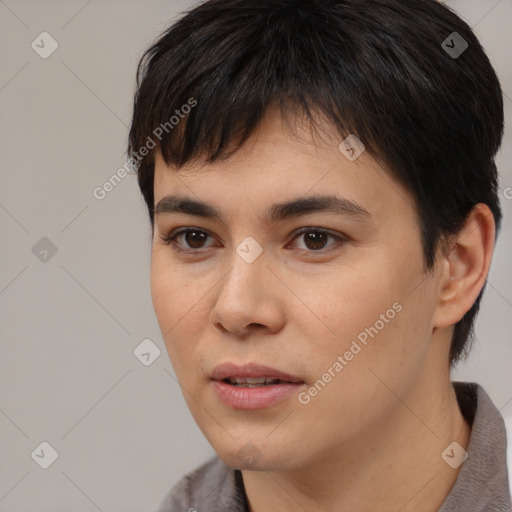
[253, 456]
[247, 462]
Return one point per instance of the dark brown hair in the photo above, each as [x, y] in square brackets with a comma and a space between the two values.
[379, 69]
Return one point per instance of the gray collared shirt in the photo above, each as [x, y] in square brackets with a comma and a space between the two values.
[482, 484]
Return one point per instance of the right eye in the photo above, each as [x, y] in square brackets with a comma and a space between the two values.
[194, 239]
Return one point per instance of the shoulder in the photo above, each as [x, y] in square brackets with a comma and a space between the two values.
[485, 477]
[211, 486]
[508, 426]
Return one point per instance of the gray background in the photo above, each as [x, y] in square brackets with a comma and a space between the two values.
[70, 323]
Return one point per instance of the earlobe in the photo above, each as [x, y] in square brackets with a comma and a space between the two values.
[465, 266]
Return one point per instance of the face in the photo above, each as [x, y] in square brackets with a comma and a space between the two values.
[330, 299]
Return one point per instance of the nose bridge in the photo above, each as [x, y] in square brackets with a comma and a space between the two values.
[245, 291]
[248, 266]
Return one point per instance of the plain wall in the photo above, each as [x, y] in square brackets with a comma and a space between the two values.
[69, 325]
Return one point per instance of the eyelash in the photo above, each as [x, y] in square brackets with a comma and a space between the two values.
[170, 239]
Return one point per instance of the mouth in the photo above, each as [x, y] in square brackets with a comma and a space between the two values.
[253, 386]
[254, 382]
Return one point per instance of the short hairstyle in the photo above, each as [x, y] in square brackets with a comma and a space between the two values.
[378, 69]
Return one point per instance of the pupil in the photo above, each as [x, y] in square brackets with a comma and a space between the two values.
[318, 240]
[199, 238]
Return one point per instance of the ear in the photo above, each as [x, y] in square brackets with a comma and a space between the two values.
[464, 267]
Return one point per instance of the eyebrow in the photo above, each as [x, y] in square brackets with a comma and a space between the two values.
[175, 204]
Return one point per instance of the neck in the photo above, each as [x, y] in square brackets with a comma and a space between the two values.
[395, 465]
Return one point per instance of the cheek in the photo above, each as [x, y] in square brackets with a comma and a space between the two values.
[373, 322]
[174, 292]
[356, 390]
[178, 303]
[391, 349]
[352, 302]
[164, 284]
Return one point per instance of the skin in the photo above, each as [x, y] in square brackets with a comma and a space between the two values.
[372, 438]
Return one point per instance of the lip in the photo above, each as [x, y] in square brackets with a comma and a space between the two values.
[257, 397]
[254, 370]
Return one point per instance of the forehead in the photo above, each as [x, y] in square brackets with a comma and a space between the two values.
[276, 164]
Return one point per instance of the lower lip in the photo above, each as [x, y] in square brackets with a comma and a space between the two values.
[254, 398]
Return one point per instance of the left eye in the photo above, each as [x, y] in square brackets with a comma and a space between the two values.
[315, 239]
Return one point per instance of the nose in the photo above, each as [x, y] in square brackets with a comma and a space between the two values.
[249, 298]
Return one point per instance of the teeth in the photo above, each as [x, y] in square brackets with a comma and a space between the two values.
[252, 382]
[255, 380]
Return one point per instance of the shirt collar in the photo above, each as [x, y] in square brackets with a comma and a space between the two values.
[482, 484]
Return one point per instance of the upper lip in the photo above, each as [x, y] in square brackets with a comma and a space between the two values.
[251, 370]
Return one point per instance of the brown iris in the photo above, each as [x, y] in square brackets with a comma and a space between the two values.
[315, 240]
[195, 239]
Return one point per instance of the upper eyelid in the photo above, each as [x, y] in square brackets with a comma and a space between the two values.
[180, 231]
